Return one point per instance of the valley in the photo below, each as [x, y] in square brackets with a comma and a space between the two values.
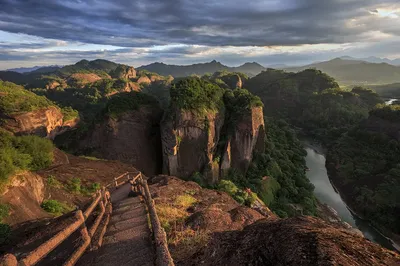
[235, 134]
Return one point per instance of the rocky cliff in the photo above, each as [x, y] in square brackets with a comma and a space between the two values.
[47, 122]
[190, 143]
[133, 137]
[189, 140]
[248, 136]
[24, 194]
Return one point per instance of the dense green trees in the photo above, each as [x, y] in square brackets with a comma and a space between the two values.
[23, 153]
[365, 165]
[15, 99]
[196, 94]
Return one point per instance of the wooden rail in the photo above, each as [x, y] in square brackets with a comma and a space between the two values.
[163, 257]
[101, 199]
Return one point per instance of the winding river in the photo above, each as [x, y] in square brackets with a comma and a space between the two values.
[325, 193]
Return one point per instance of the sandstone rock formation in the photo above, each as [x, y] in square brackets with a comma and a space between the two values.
[24, 194]
[248, 136]
[134, 138]
[124, 72]
[295, 241]
[189, 140]
[47, 122]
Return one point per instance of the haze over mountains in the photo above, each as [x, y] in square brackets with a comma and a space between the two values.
[346, 70]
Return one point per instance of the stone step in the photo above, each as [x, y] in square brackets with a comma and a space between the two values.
[129, 200]
[138, 232]
[127, 224]
[127, 215]
[133, 257]
[126, 208]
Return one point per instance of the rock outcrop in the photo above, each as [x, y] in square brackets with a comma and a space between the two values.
[47, 122]
[133, 138]
[294, 241]
[248, 136]
[23, 195]
[189, 140]
[233, 81]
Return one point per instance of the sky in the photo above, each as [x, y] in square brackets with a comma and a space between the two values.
[138, 32]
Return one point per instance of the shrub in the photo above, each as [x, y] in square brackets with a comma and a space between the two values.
[40, 149]
[228, 187]
[124, 102]
[75, 185]
[53, 182]
[55, 207]
[22, 153]
[69, 113]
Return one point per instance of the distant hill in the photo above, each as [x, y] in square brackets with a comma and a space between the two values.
[250, 69]
[35, 68]
[350, 72]
[374, 59]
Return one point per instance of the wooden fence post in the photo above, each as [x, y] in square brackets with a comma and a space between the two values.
[86, 241]
[8, 260]
[115, 182]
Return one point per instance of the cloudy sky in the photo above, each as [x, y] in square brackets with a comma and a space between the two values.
[136, 32]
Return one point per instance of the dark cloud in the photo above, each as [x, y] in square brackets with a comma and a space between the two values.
[143, 23]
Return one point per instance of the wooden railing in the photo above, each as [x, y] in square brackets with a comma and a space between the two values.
[103, 201]
[163, 257]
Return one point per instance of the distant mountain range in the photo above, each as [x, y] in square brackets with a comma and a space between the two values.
[374, 59]
[353, 72]
[35, 68]
[250, 69]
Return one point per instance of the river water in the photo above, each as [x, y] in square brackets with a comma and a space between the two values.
[325, 193]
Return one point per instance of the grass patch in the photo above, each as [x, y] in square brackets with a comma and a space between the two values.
[185, 201]
[69, 113]
[53, 182]
[15, 99]
[4, 211]
[55, 207]
[75, 186]
[169, 215]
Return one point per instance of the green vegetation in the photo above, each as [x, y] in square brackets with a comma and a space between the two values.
[313, 101]
[4, 211]
[55, 207]
[123, 102]
[365, 165]
[196, 94]
[278, 175]
[53, 182]
[5, 229]
[23, 153]
[15, 99]
[69, 113]
[241, 196]
[75, 186]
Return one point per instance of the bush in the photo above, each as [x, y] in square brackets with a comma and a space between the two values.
[124, 102]
[53, 182]
[55, 207]
[228, 187]
[75, 185]
[40, 150]
[22, 153]
[69, 113]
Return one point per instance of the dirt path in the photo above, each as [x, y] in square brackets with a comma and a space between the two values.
[128, 237]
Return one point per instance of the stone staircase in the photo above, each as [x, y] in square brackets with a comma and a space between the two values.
[128, 238]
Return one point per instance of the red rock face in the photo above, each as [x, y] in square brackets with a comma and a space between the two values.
[133, 138]
[189, 141]
[248, 137]
[47, 123]
[44, 123]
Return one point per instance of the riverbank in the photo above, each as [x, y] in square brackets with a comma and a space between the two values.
[327, 193]
[332, 174]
